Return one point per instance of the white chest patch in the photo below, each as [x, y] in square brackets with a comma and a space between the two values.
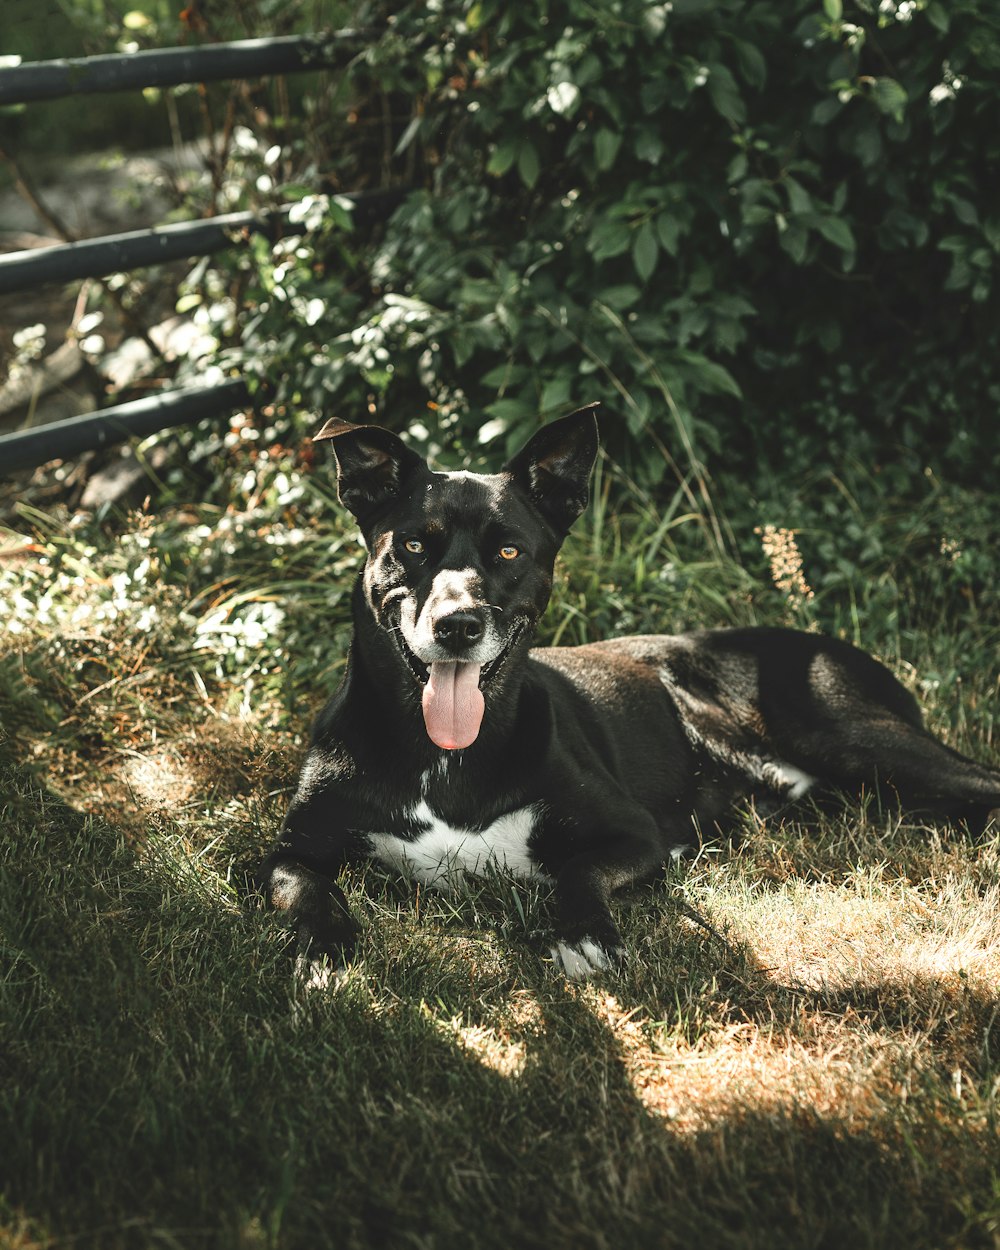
[441, 850]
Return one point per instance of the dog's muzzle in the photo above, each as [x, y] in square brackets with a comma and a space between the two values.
[453, 699]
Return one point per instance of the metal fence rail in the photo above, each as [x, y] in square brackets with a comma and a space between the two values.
[115, 253]
[62, 440]
[169, 67]
[135, 249]
[112, 253]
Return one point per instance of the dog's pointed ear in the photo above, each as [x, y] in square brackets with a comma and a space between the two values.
[372, 465]
[554, 467]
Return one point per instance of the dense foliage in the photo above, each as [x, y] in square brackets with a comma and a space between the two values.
[751, 229]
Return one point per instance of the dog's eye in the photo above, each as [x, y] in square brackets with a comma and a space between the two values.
[414, 546]
[509, 552]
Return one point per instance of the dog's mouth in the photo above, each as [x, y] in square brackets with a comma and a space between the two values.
[453, 699]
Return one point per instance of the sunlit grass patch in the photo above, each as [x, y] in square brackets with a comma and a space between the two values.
[868, 931]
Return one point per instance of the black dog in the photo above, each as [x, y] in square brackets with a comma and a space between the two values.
[450, 745]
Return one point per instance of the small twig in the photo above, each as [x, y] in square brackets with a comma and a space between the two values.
[709, 928]
[213, 159]
[29, 192]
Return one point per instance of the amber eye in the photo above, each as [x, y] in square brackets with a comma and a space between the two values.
[509, 552]
[414, 546]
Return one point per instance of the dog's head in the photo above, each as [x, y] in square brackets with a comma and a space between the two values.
[460, 564]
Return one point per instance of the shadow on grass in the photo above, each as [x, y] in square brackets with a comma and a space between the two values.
[167, 1082]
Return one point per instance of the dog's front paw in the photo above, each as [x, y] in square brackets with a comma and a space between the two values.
[319, 973]
[586, 958]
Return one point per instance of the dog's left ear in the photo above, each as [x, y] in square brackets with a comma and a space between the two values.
[372, 465]
[554, 467]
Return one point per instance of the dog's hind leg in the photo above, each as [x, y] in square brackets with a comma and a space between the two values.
[841, 716]
[894, 755]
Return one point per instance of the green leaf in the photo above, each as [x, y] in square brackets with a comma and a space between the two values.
[939, 17]
[965, 211]
[890, 97]
[649, 145]
[795, 241]
[510, 409]
[606, 145]
[608, 238]
[834, 9]
[503, 157]
[505, 375]
[960, 275]
[725, 95]
[826, 110]
[645, 251]
[738, 167]
[799, 199]
[868, 145]
[694, 8]
[757, 215]
[838, 232]
[556, 393]
[620, 297]
[709, 376]
[528, 165]
[991, 232]
[753, 67]
[830, 336]
[668, 231]
[341, 212]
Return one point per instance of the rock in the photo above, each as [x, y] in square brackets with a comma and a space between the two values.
[122, 479]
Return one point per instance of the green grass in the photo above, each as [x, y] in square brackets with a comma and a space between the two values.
[822, 1070]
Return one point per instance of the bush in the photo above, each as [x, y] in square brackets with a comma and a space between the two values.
[751, 229]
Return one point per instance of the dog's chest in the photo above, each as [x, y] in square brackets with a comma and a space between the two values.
[438, 850]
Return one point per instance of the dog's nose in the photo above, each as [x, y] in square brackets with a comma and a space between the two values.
[458, 629]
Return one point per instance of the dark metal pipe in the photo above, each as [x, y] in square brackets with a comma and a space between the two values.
[62, 440]
[115, 253]
[168, 67]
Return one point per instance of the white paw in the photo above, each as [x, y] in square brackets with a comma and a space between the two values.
[319, 974]
[581, 960]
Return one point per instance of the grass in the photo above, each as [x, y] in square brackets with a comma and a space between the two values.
[821, 1070]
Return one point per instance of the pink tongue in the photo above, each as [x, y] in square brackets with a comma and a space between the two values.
[453, 705]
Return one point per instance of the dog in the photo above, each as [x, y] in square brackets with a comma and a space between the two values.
[451, 745]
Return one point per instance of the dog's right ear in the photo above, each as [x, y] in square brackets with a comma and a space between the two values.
[554, 467]
[372, 465]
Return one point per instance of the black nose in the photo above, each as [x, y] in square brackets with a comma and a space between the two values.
[459, 629]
